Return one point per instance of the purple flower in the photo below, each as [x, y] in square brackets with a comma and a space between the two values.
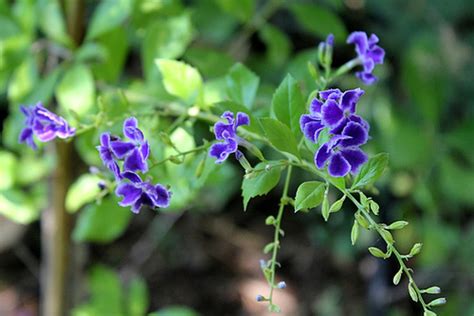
[340, 159]
[44, 124]
[107, 155]
[137, 193]
[369, 54]
[134, 152]
[228, 133]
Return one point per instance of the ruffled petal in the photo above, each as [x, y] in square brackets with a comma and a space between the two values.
[331, 113]
[129, 192]
[357, 133]
[355, 157]
[121, 148]
[338, 166]
[350, 98]
[322, 155]
[135, 162]
[242, 119]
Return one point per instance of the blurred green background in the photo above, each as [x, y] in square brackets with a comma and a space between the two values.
[203, 253]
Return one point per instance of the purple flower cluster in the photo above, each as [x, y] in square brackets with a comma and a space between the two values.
[44, 124]
[369, 54]
[335, 110]
[227, 132]
[134, 153]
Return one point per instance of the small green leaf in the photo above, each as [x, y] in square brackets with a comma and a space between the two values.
[319, 20]
[371, 171]
[288, 104]
[376, 252]
[309, 194]
[415, 249]
[280, 136]
[76, 91]
[102, 222]
[361, 220]
[261, 183]
[387, 236]
[336, 206]
[242, 85]
[180, 79]
[268, 247]
[374, 207]
[354, 232]
[108, 15]
[325, 207]
[397, 225]
[84, 190]
[412, 292]
[397, 276]
[432, 290]
[438, 301]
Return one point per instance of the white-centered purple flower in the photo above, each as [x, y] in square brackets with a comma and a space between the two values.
[44, 124]
[137, 193]
[227, 132]
[135, 151]
[335, 111]
[369, 54]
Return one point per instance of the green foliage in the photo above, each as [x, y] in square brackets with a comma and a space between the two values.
[102, 222]
[242, 85]
[288, 104]
[259, 183]
[309, 195]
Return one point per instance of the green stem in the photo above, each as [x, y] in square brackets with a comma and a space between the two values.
[276, 236]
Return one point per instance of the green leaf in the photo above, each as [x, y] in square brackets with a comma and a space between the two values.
[51, 21]
[288, 104]
[261, 183]
[309, 194]
[376, 252]
[371, 171]
[242, 85]
[84, 190]
[108, 15]
[76, 91]
[354, 232]
[166, 38]
[277, 43]
[397, 276]
[319, 20]
[280, 136]
[138, 300]
[8, 166]
[242, 9]
[175, 311]
[180, 79]
[103, 222]
[18, 207]
[412, 292]
[336, 206]
[397, 225]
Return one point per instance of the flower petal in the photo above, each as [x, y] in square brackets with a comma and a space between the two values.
[331, 113]
[322, 155]
[135, 162]
[121, 148]
[338, 166]
[358, 135]
[355, 157]
[129, 192]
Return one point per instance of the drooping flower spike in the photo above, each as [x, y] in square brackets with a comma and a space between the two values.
[228, 133]
[44, 124]
[369, 54]
[137, 193]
